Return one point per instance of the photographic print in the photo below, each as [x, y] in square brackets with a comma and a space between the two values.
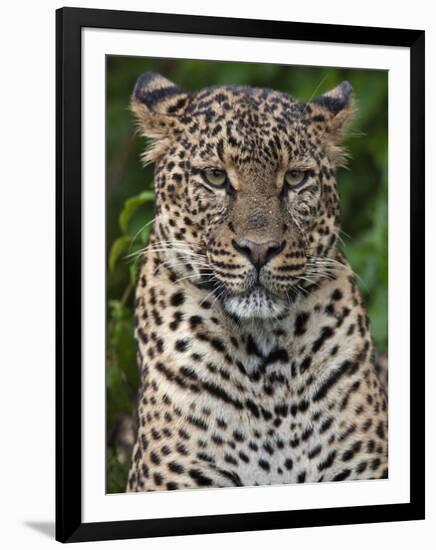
[240, 242]
[247, 274]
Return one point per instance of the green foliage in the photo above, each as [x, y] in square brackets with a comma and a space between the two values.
[131, 205]
[363, 189]
[121, 375]
[116, 472]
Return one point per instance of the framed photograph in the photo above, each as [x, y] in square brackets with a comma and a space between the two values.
[240, 252]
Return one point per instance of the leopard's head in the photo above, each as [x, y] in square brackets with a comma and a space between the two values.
[245, 182]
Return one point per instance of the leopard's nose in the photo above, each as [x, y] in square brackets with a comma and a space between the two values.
[259, 253]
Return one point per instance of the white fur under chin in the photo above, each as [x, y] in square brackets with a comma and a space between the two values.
[255, 305]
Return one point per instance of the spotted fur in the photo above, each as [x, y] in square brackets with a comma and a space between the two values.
[252, 373]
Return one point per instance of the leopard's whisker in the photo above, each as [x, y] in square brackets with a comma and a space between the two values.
[308, 280]
[194, 276]
[135, 236]
[200, 269]
[211, 293]
[177, 251]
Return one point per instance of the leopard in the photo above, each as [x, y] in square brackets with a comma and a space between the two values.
[254, 348]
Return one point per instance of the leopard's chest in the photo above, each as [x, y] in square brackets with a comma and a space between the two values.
[256, 412]
[262, 401]
[285, 446]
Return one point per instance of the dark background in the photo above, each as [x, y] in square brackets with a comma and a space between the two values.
[362, 187]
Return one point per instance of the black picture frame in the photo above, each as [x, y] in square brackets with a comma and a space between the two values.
[69, 23]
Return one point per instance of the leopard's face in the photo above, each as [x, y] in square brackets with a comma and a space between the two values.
[246, 201]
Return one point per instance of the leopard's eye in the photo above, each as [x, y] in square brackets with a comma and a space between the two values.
[215, 177]
[294, 178]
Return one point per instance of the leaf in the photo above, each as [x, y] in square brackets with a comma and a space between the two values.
[131, 205]
[145, 233]
[119, 246]
[134, 273]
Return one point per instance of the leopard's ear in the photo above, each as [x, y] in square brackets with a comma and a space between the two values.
[334, 109]
[157, 103]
